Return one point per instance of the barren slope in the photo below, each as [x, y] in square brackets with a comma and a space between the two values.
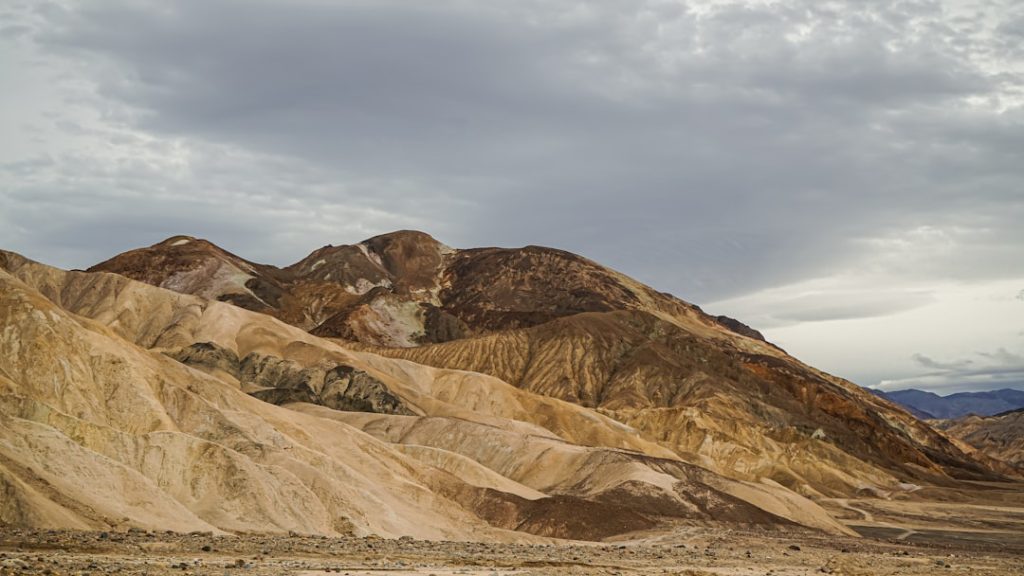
[1000, 437]
[378, 291]
[554, 323]
[99, 433]
[103, 428]
[743, 414]
[406, 288]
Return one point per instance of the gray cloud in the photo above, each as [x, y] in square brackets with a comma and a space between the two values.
[827, 306]
[936, 365]
[986, 371]
[842, 173]
[710, 152]
[865, 295]
[1003, 357]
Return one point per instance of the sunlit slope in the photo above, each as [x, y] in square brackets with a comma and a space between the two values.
[89, 383]
[707, 389]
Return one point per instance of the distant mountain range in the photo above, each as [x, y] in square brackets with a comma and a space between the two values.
[926, 405]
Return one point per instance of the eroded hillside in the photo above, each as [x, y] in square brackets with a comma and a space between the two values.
[131, 405]
[707, 389]
[1000, 437]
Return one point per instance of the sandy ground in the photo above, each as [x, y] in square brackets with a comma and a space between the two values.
[692, 551]
[972, 529]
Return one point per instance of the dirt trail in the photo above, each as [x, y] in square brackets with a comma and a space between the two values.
[845, 503]
[868, 517]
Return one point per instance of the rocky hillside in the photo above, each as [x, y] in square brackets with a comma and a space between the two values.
[705, 389]
[744, 414]
[1000, 437]
[128, 405]
[404, 289]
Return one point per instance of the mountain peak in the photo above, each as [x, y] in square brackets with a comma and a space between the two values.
[404, 235]
[177, 240]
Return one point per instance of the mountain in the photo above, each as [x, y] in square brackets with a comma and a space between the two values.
[707, 390]
[932, 405]
[404, 289]
[919, 414]
[128, 405]
[384, 290]
[1000, 436]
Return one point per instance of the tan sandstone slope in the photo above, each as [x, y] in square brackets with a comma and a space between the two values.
[708, 389]
[128, 405]
[1000, 437]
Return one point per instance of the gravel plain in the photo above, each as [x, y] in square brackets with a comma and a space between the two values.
[687, 551]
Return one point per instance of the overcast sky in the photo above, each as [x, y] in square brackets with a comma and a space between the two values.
[847, 176]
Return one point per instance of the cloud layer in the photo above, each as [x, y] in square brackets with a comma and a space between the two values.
[985, 371]
[732, 152]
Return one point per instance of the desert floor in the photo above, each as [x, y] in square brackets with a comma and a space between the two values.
[977, 530]
[908, 537]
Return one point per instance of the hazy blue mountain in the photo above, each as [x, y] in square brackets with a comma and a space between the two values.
[930, 405]
[919, 414]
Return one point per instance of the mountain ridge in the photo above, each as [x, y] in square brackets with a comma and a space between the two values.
[609, 342]
[511, 385]
[315, 460]
[341, 291]
[956, 405]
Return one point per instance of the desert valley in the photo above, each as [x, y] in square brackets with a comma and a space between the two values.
[398, 406]
[491, 288]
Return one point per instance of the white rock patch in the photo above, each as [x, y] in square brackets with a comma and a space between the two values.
[371, 256]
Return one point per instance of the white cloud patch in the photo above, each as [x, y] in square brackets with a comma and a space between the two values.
[951, 336]
[840, 297]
